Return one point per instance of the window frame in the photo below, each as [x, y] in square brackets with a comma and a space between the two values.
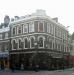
[43, 41]
[24, 43]
[31, 42]
[32, 27]
[12, 45]
[43, 26]
[15, 31]
[26, 27]
[18, 29]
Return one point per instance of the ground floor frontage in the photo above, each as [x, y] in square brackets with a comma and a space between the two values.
[42, 60]
[4, 60]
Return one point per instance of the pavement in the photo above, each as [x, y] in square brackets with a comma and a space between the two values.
[56, 72]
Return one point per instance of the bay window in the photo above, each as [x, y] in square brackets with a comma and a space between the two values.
[19, 29]
[31, 27]
[25, 28]
[40, 27]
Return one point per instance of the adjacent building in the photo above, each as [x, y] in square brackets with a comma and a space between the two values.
[37, 39]
[4, 43]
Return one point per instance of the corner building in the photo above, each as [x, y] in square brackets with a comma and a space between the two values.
[37, 39]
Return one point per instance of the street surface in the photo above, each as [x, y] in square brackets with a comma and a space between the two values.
[57, 72]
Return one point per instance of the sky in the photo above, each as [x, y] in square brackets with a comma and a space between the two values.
[63, 9]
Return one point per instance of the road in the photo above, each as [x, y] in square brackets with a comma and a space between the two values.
[58, 72]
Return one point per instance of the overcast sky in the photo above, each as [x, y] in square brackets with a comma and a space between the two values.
[63, 9]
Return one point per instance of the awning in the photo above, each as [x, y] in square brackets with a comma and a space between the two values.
[4, 54]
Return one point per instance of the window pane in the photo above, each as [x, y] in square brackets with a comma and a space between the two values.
[6, 35]
[0, 36]
[6, 47]
[40, 27]
[25, 28]
[50, 44]
[40, 42]
[31, 27]
[48, 28]
[32, 42]
[19, 30]
[20, 44]
[13, 31]
[14, 44]
[26, 43]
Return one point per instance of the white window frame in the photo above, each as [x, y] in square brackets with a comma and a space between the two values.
[43, 26]
[50, 40]
[18, 29]
[31, 24]
[6, 35]
[30, 41]
[48, 27]
[24, 42]
[24, 27]
[43, 41]
[18, 43]
[15, 31]
[12, 44]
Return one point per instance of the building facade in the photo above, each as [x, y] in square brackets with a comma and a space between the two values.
[4, 44]
[37, 39]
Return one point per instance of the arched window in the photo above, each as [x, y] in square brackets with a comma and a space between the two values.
[41, 27]
[32, 42]
[41, 42]
[14, 44]
[26, 43]
[50, 44]
[19, 29]
[20, 44]
[14, 31]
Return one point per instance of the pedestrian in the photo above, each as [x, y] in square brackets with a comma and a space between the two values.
[12, 68]
[36, 68]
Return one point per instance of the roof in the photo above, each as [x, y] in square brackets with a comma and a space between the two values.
[38, 13]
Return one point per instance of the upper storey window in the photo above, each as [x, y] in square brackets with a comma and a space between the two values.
[48, 27]
[0, 36]
[19, 29]
[6, 35]
[31, 27]
[14, 31]
[40, 27]
[25, 28]
[14, 44]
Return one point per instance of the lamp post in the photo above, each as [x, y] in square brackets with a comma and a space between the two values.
[36, 57]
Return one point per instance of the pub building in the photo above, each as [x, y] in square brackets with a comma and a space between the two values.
[38, 40]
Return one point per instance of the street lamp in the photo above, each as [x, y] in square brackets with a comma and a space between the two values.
[36, 57]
